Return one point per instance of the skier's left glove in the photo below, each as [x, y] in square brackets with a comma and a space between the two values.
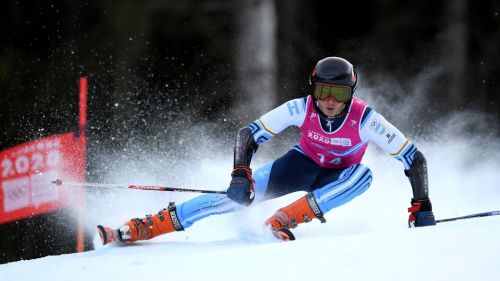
[421, 213]
[241, 188]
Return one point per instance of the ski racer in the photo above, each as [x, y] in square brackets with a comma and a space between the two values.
[336, 128]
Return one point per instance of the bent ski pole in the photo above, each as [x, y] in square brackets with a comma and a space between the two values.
[141, 187]
[485, 214]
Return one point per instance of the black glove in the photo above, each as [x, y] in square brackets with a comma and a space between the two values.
[421, 213]
[241, 188]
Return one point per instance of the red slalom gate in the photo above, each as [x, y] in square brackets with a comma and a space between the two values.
[26, 172]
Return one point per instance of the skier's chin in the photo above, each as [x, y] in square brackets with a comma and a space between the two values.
[330, 112]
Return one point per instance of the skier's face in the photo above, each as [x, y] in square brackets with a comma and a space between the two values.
[330, 106]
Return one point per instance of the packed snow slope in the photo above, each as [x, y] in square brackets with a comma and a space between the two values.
[366, 239]
[353, 250]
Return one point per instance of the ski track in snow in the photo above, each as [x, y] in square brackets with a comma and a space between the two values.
[366, 239]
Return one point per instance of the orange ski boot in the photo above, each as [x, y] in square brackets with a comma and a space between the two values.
[302, 210]
[164, 221]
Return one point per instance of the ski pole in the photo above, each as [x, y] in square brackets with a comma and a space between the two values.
[59, 182]
[485, 214]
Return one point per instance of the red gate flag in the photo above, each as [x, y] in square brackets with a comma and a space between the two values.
[26, 172]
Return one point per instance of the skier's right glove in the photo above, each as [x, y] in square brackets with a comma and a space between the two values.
[241, 188]
[421, 213]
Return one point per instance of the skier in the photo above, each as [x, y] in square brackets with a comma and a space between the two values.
[326, 163]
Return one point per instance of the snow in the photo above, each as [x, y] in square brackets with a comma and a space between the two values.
[366, 239]
[465, 250]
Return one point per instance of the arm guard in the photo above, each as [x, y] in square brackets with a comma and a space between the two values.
[418, 176]
[244, 148]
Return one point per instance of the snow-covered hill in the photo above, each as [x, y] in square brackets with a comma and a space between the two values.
[465, 250]
[366, 239]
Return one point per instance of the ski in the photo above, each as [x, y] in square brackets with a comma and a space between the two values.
[284, 234]
[108, 235]
[484, 214]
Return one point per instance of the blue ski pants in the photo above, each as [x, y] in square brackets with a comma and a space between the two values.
[292, 172]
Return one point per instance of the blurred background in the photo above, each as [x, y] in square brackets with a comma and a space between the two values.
[166, 74]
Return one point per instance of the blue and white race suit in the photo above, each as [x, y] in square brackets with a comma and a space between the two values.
[297, 171]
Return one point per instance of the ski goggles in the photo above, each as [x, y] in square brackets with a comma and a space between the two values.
[338, 92]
